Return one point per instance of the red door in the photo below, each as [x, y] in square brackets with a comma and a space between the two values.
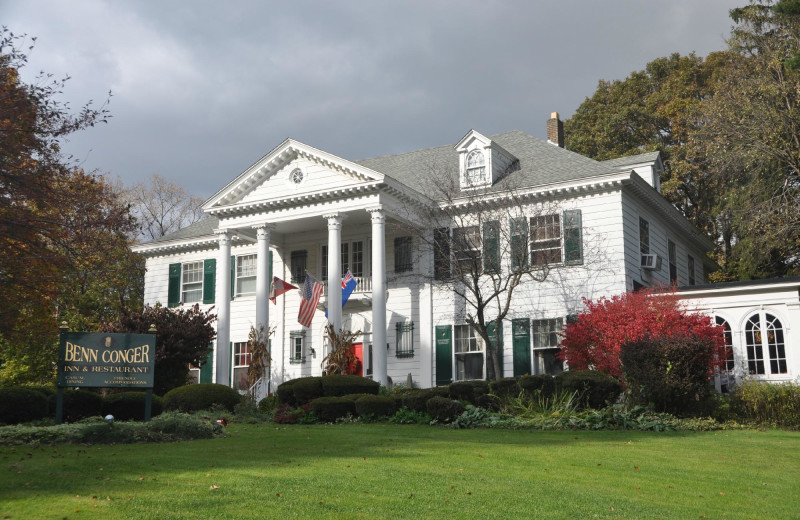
[357, 367]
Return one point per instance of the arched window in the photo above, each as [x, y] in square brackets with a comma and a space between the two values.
[764, 332]
[476, 168]
[727, 334]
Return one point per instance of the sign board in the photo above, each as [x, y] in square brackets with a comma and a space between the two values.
[106, 360]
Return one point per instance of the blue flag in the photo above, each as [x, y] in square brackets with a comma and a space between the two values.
[348, 286]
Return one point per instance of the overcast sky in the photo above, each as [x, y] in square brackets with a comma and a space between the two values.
[202, 89]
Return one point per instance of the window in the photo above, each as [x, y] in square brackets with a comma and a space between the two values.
[546, 337]
[726, 368]
[644, 236]
[192, 282]
[298, 263]
[691, 270]
[469, 353]
[467, 249]
[241, 362]
[352, 258]
[402, 255]
[546, 240]
[245, 274]
[763, 331]
[297, 352]
[404, 346]
[673, 262]
[476, 170]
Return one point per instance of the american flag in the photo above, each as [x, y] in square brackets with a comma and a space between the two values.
[312, 291]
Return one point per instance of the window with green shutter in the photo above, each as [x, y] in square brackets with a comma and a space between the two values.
[521, 337]
[519, 242]
[444, 355]
[491, 247]
[441, 253]
[174, 289]
[573, 237]
[209, 279]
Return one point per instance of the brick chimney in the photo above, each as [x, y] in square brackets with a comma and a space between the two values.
[555, 130]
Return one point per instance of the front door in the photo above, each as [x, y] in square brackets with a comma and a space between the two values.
[357, 367]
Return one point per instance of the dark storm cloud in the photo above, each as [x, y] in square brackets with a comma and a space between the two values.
[203, 89]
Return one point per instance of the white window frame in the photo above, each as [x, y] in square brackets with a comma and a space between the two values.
[467, 343]
[241, 360]
[192, 281]
[297, 347]
[765, 345]
[466, 248]
[475, 168]
[546, 238]
[545, 337]
[353, 252]
[246, 271]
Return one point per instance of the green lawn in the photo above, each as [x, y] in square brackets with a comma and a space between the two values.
[387, 471]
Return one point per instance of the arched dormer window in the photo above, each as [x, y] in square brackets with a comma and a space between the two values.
[764, 332]
[476, 168]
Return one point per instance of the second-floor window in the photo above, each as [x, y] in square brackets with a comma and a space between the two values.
[546, 239]
[298, 265]
[192, 282]
[402, 255]
[246, 274]
[673, 262]
[644, 236]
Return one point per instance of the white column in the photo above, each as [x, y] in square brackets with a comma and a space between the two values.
[262, 277]
[223, 304]
[335, 270]
[378, 218]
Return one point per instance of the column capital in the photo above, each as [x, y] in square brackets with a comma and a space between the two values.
[377, 214]
[263, 230]
[225, 235]
[334, 220]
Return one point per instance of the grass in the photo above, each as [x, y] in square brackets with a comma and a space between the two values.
[387, 471]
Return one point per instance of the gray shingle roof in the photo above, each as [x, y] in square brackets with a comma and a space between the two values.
[630, 160]
[540, 163]
[200, 228]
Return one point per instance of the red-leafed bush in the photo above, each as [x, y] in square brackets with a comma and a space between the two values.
[595, 339]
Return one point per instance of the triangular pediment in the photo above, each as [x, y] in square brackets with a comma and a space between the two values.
[292, 169]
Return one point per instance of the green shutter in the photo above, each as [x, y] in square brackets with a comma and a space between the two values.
[521, 334]
[573, 237]
[209, 279]
[519, 242]
[174, 291]
[269, 274]
[490, 331]
[206, 372]
[444, 355]
[233, 277]
[491, 246]
[441, 253]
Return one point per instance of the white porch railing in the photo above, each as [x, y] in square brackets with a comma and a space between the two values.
[363, 285]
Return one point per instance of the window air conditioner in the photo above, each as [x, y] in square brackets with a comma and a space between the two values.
[651, 262]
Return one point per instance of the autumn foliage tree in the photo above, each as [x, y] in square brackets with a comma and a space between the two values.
[183, 337]
[595, 340]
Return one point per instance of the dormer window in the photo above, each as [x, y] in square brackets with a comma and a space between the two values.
[476, 168]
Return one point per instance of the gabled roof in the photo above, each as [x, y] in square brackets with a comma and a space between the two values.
[632, 160]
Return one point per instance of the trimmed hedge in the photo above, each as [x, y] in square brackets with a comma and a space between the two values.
[285, 392]
[376, 405]
[506, 387]
[306, 389]
[544, 383]
[79, 404]
[469, 391]
[268, 404]
[338, 385]
[328, 409]
[595, 389]
[202, 396]
[129, 406]
[20, 404]
[444, 409]
[417, 398]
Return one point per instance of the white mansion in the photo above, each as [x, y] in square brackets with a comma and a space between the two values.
[600, 228]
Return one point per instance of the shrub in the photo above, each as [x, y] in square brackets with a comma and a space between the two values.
[417, 398]
[268, 404]
[47, 390]
[328, 409]
[469, 391]
[285, 392]
[504, 387]
[338, 385]
[376, 406]
[488, 402]
[544, 384]
[20, 404]
[444, 409]
[126, 406]
[79, 404]
[203, 396]
[406, 416]
[671, 373]
[595, 389]
[765, 403]
[306, 389]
